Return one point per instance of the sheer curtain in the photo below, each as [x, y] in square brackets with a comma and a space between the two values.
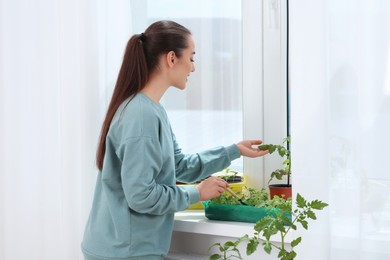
[340, 120]
[55, 61]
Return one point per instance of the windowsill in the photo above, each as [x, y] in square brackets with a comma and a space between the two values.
[194, 221]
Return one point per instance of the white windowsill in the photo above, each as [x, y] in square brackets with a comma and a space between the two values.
[194, 221]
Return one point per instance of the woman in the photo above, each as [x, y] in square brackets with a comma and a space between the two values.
[138, 158]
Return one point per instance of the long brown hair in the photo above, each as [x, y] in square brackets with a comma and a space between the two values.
[140, 60]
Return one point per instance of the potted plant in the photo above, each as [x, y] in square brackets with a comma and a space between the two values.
[281, 190]
[272, 225]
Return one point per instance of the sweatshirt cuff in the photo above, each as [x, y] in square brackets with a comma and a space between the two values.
[233, 152]
[193, 194]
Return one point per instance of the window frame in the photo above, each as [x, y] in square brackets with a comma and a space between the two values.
[264, 82]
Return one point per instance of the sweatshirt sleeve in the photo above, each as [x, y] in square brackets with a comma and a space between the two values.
[194, 167]
[141, 163]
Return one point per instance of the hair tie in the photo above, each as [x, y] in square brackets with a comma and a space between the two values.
[142, 37]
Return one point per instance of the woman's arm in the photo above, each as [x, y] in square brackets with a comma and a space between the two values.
[194, 167]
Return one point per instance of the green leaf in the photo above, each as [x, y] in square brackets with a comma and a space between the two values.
[264, 147]
[278, 174]
[289, 256]
[311, 214]
[279, 226]
[270, 231]
[286, 162]
[263, 223]
[301, 202]
[267, 247]
[215, 257]
[303, 223]
[289, 223]
[294, 227]
[252, 246]
[319, 205]
[285, 208]
[282, 253]
[281, 151]
[240, 240]
[295, 242]
[228, 244]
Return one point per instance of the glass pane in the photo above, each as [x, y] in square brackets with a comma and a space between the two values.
[208, 112]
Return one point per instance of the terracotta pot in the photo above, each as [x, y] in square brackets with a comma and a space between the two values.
[279, 190]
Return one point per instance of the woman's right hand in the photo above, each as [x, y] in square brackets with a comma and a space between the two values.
[211, 187]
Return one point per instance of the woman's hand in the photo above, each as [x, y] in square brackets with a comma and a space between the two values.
[211, 187]
[246, 148]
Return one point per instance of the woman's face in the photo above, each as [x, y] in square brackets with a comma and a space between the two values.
[184, 65]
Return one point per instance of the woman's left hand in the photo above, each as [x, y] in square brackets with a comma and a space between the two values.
[246, 148]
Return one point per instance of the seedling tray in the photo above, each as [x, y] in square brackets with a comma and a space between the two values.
[239, 213]
[235, 186]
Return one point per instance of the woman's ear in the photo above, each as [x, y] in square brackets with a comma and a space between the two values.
[171, 58]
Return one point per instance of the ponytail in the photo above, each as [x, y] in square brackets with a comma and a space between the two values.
[132, 76]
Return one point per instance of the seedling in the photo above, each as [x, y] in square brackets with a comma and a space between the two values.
[283, 152]
[231, 176]
[271, 225]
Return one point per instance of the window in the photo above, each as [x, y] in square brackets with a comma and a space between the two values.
[238, 90]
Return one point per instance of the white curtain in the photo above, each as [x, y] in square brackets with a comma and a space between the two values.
[340, 124]
[57, 64]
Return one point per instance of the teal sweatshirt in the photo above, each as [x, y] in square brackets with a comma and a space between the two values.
[136, 194]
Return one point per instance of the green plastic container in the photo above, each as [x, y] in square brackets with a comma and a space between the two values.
[239, 213]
